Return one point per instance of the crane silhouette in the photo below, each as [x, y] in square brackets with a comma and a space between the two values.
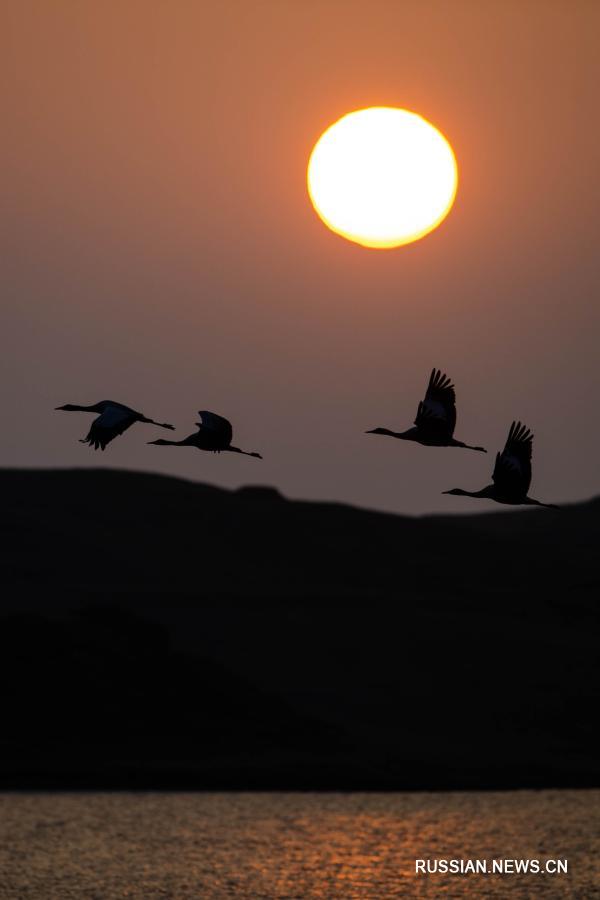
[114, 419]
[436, 417]
[512, 473]
[214, 434]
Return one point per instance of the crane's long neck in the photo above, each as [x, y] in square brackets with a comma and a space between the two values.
[74, 407]
[244, 452]
[459, 492]
[409, 435]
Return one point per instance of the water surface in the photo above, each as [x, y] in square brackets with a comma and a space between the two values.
[255, 846]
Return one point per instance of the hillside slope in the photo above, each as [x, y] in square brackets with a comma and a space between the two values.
[157, 632]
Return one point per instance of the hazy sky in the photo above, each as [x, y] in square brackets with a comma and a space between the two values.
[159, 247]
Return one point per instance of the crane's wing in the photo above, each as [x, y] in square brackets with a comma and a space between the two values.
[512, 472]
[218, 426]
[109, 425]
[437, 412]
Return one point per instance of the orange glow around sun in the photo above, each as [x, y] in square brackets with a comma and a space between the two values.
[382, 177]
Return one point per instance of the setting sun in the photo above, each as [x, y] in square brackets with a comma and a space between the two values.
[382, 177]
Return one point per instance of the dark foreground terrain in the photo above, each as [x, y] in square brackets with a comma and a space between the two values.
[159, 633]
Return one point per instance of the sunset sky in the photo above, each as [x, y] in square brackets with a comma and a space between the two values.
[159, 247]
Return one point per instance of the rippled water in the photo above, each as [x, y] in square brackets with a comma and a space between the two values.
[256, 846]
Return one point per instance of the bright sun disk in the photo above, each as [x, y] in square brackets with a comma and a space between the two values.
[382, 177]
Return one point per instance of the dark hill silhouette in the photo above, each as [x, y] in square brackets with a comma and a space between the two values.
[157, 632]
